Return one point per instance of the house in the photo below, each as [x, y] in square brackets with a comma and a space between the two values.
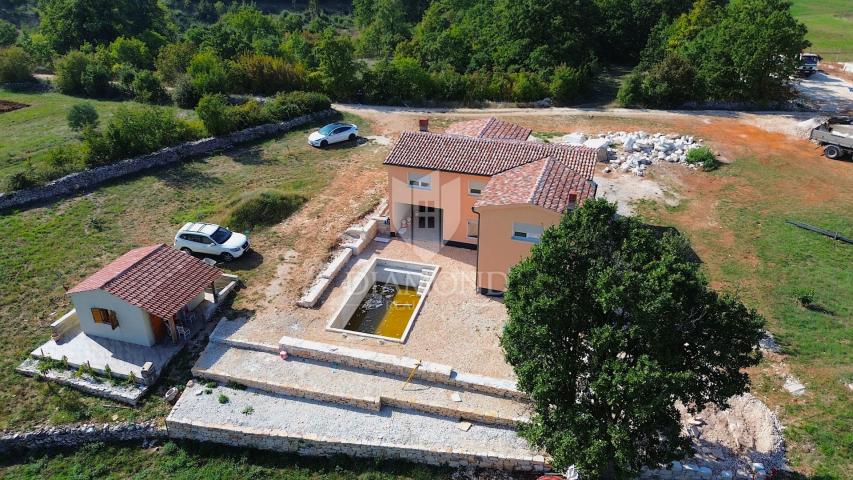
[484, 186]
[138, 297]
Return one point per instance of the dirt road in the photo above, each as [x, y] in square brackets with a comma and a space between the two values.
[829, 93]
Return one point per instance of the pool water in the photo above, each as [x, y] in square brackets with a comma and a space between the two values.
[385, 310]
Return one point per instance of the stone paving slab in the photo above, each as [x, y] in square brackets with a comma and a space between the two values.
[361, 388]
[278, 422]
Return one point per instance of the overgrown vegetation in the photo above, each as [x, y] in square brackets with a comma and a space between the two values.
[587, 347]
[264, 208]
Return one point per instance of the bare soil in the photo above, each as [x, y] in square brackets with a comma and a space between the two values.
[8, 106]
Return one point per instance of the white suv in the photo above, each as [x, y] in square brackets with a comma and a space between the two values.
[210, 239]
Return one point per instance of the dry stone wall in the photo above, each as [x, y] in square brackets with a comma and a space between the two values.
[75, 435]
[78, 181]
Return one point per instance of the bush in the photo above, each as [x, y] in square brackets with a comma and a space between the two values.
[82, 115]
[306, 102]
[146, 88]
[185, 94]
[130, 51]
[527, 87]
[8, 33]
[266, 208]
[60, 161]
[264, 74]
[125, 75]
[213, 112]
[133, 131]
[247, 115]
[38, 47]
[16, 65]
[208, 73]
[704, 157]
[568, 83]
[19, 181]
[173, 60]
[80, 74]
[631, 91]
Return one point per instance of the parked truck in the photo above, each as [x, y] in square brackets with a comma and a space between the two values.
[808, 64]
[835, 136]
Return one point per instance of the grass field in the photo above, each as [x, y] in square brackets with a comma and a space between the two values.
[28, 133]
[830, 24]
[52, 247]
[192, 461]
[750, 249]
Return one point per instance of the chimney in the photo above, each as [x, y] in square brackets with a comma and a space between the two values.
[573, 199]
[423, 124]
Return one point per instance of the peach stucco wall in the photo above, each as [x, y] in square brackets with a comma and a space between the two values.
[498, 251]
[449, 192]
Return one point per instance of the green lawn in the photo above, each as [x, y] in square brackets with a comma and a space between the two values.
[49, 248]
[28, 133]
[830, 24]
[769, 262]
[191, 461]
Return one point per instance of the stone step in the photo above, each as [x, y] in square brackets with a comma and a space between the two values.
[257, 419]
[368, 390]
[399, 366]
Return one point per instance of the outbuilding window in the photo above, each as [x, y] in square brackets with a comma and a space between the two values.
[102, 315]
[526, 232]
[420, 180]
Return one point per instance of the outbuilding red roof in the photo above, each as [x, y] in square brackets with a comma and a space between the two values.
[547, 183]
[490, 127]
[156, 278]
[483, 156]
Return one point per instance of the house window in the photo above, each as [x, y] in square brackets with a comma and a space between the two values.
[473, 229]
[526, 232]
[102, 315]
[420, 180]
[475, 188]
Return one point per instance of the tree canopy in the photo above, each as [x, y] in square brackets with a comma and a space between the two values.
[610, 324]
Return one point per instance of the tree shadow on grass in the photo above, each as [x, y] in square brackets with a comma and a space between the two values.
[185, 176]
[814, 307]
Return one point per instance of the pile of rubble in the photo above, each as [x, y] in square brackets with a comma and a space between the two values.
[635, 151]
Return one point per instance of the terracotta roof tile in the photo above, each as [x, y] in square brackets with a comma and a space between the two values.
[483, 156]
[157, 278]
[547, 183]
[490, 127]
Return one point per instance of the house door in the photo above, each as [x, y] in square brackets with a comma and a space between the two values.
[427, 224]
[158, 326]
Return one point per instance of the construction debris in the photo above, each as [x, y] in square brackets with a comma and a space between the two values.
[635, 151]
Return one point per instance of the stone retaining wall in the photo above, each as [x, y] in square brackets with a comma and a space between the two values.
[76, 435]
[77, 181]
[267, 439]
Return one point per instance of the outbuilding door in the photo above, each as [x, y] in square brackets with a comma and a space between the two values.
[158, 326]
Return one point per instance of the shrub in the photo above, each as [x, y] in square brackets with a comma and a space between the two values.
[8, 33]
[125, 75]
[78, 73]
[185, 94]
[265, 208]
[306, 102]
[19, 181]
[173, 60]
[131, 51]
[264, 74]
[527, 87]
[704, 157]
[146, 88]
[631, 91]
[134, 131]
[208, 73]
[805, 297]
[38, 47]
[213, 112]
[61, 161]
[568, 83]
[247, 115]
[16, 65]
[82, 115]
[223, 399]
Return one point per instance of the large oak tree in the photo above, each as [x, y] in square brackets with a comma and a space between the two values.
[610, 324]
